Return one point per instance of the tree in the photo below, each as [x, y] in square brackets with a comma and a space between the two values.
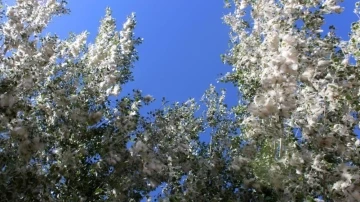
[67, 135]
[54, 97]
[295, 79]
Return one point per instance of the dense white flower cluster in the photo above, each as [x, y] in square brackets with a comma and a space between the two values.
[112, 50]
[293, 78]
[53, 94]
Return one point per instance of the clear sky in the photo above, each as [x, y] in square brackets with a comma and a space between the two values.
[183, 40]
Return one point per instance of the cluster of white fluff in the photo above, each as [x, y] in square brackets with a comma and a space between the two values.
[111, 51]
[278, 79]
[55, 75]
[300, 81]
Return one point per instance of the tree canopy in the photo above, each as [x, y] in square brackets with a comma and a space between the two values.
[67, 134]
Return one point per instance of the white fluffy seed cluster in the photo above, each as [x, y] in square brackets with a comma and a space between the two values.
[299, 82]
[59, 78]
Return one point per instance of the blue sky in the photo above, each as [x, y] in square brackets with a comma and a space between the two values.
[183, 40]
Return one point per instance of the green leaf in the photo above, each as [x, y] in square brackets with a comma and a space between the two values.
[98, 191]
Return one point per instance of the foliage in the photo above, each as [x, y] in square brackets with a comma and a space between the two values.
[66, 133]
[297, 79]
